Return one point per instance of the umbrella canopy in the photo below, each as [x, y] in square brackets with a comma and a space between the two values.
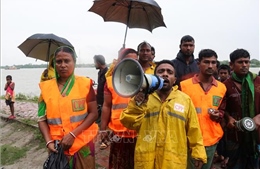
[145, 14]
[41, 46]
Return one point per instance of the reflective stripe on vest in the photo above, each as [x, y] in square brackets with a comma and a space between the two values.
[54, 121]
[119, 106]
[198, 110]
[73, 119]
[78, 118]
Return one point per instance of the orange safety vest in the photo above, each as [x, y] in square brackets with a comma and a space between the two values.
[66, 113]
[118, 105]
[211, 131]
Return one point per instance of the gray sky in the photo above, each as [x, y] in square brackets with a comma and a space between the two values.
[221, 25]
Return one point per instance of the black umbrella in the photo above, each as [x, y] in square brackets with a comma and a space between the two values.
[41, 46]
[145, 14]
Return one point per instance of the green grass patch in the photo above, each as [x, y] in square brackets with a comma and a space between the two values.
[38, 138]
[29, 122]
[23, 97]
[10, 154]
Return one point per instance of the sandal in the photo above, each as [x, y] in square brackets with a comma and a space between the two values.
[11, 117]
[103, 146]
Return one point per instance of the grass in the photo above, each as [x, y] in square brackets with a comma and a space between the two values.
[23, 97]
[9, 154]
[38, 138]
[29, 122]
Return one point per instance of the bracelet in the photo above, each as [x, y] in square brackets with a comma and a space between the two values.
[102, 131]
[51, 141]
[72, 134]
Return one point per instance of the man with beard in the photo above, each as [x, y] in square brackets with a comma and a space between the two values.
[166, 123]
[184, 63]
[100, 64]
[242, 100]
[206, 94]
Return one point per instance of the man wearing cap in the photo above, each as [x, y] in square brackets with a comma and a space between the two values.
[100, 64]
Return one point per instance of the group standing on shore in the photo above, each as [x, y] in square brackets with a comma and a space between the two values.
[184, 124]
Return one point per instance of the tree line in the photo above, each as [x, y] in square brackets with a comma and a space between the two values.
[254, 63]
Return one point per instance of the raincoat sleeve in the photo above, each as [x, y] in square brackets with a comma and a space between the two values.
[132, 116]
[194, 135]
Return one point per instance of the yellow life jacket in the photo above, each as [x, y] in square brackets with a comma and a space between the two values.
[66, 113]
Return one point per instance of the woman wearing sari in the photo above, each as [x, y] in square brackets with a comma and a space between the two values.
[67, 111]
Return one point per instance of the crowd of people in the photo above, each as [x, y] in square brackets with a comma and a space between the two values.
[185, 124]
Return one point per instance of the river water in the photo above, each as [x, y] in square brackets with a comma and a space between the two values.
[27, 80]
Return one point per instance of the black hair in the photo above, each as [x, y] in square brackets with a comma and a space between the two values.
[126, 52]
[206, 53]
[187, 38]
[218, 64]
[224, 67]
[100, 59]
[239, 53]
[153, 50]
[9, 77]
[66, 49]
[163, 62]
[143, 43]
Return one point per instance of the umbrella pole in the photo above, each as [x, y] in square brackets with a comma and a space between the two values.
[125, 36]
[48, 52]
[128, 16]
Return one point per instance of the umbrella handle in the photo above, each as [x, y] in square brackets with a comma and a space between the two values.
[128, 17]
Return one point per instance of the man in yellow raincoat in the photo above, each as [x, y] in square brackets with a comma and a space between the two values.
[167, 125]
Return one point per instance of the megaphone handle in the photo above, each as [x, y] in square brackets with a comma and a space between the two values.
[138, 103]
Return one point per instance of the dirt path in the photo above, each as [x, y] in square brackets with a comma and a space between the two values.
[19, 135]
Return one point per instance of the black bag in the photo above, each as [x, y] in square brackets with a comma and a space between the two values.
[56, 160]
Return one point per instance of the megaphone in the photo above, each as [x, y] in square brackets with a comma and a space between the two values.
[128, 78]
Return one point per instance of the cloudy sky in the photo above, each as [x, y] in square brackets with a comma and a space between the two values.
[221, 25]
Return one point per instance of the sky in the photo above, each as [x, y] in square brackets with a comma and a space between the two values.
[221, 25]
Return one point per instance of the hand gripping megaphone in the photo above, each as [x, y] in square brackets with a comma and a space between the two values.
[128, 78]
